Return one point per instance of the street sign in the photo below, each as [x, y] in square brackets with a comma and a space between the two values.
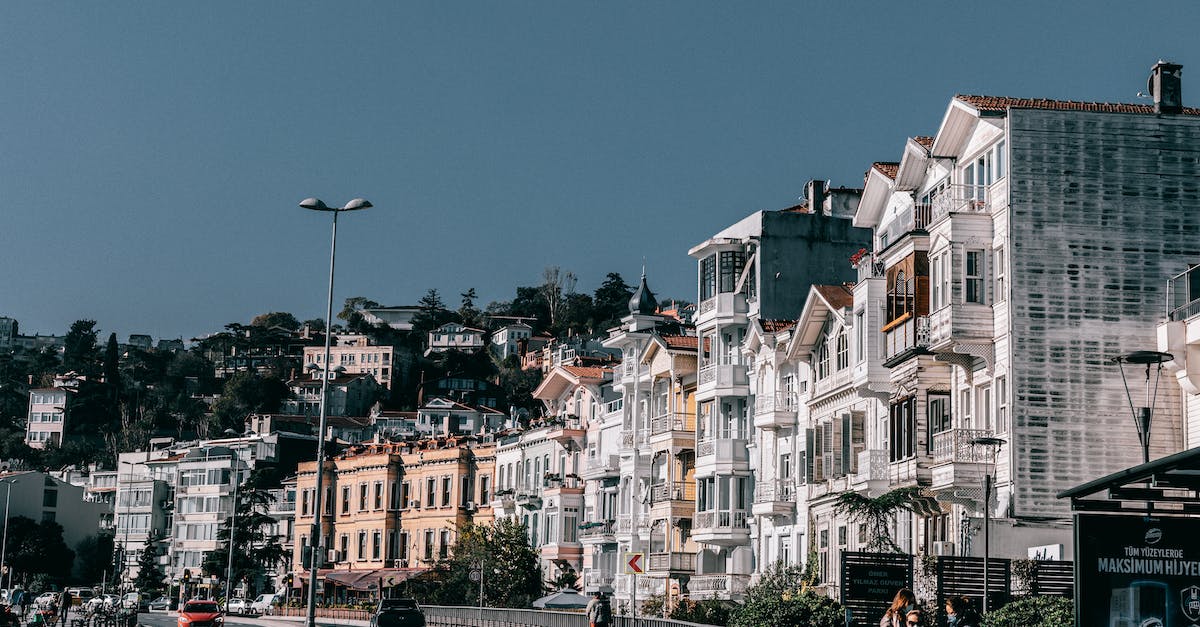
[390, 581]
[633, 563]
[476, 575]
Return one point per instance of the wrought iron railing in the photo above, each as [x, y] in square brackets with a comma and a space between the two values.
[598, 529]
[1183, 295]
[956, 445]
[959, 199]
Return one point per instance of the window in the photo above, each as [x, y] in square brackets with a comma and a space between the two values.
[901, 297]
[378, 495]
[823, 361]
[935, 283]
[344, 545]
[430, 492]
[964, 409]
[939, 415]
[50, 498]
[362, 497]
[843, 351]
[570, 524]
[485, 492]
[345, 499]
[902, 430]
[983, 407]
[444, 545]
[1001, 405]
[1000, 271]
[376, 544]
[708, 277]
[429, 545]
[362, 545]
[446, 490]
[860, 336]
[732, 263]
[973, 278]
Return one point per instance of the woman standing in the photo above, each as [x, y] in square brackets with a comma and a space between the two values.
[903, 611]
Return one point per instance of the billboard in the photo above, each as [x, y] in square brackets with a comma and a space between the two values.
[1137, 571]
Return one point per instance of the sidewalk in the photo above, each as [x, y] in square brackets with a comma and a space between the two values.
[292, 621]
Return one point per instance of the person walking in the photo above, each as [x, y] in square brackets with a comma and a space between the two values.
[18, 602]
[903, 611]
[64, 606]
[599, 611]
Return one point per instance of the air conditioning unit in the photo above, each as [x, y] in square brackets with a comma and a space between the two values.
[333, 555]
[414, 504]
[470, 506]
[943, 548]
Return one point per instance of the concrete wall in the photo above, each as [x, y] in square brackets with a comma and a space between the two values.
[803, 249]
[1104, 208]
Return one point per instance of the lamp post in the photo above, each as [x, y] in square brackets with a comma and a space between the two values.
[4, 543]
[234, 461]
[1142, 415]
[993, 446]
[314, 543]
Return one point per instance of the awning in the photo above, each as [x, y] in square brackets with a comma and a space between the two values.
[369, 579]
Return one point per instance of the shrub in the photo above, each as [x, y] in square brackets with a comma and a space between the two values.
[799, 609]
[1033, 612]
[705, 612]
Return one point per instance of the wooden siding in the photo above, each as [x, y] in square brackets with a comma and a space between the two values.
[1103, 209]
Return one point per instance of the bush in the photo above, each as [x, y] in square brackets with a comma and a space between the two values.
[706, 612]
[1033, 612]
[799, 609]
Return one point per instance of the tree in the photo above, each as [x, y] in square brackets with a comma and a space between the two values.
[432, 314]
[781, 597]
[255, 551]
[518, 384]
[513, 578]
[38, 548]
[150, 575]
[352, 313]
[245, 393]
[95, 556]
[467, 311]
[556, 285]
[703, 612]
[280, 319]
[878, 513]
[610, 302]
[112, 369]
[80, 350]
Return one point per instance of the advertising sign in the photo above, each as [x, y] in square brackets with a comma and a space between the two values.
[1137, 571]
[870, 581]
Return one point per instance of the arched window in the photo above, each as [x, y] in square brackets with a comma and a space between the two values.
[843, 351]
[823, 361]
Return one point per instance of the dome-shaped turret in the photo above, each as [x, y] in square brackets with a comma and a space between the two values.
[643, 301]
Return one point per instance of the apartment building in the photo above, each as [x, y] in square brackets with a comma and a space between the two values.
[347, 394]
[1179, 335]
[760, 268]
[355, 354]
[47, 419]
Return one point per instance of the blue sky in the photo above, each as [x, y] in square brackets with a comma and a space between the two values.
[152, 154]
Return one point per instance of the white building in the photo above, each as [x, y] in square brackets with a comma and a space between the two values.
[453, 336]
[47, 417]
[510, 339]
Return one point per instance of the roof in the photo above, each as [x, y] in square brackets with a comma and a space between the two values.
[838, 296]
[887, 168]
[586, 372]
[681, 341]
[1000, 104]
[924, 140]
[775, 326]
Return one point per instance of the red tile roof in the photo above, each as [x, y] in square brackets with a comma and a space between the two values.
[839, 296]
[999, 104]
[681, 341]
[924, 140]
[587, 372]
[887, 168]
[775, 326]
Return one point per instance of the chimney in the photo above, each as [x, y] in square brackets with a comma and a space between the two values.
[815, 191]
[1166, 86]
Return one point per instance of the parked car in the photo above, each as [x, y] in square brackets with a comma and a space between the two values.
[136, 602]
[162, 603]
[200, 614]
[237, 606]
[101, 602]
[265, 603]
[80, 596]
[45, 600]
[398, 613]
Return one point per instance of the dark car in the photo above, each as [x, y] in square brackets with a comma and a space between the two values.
[398, 613]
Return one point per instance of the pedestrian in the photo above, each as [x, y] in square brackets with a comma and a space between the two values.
[18, 602]
[64, 606]
[959, 612]
[599, 611]
[903, 610]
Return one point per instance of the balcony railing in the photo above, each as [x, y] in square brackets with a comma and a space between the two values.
[673, 491]
[1183, 295]
[597, 530]
[722, 519]
[872, 465]
[706, 306]
[624, 523]
[718, 584]
[685, 562]
[912, 333]
[770, 491]
[959, 199]
[955, 445]
[668, 422]
[779, 401]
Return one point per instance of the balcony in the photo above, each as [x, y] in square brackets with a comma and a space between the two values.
[528, 499]
[601, 467]
[774, 498]
[960, 323]
[722, 527]
[773, 411]
[673, 431]
[956, 461]
[872, 466]
[671, 563]
[504, 501]
[722, 455]
[598, 580]
[568, 431]
[723, 380]
[903, 337]
[960, 199]
[726, 587]
[624, 526]
[675, 500]
[728, 306]
[1183, 295]
[558, 485]
[601, 532]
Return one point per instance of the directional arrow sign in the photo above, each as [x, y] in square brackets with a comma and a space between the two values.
[389, 581]
[633, 563]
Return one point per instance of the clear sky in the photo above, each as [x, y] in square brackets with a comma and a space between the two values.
[152, 154]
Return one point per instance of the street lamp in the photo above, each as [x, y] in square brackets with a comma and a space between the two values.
[234, 460]
[314, 543]
[4, 543]
[1141, 415]
[993, 446]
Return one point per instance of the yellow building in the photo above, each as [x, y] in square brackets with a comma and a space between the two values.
[394, 505]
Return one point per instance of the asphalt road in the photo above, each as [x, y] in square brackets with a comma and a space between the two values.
[168, 619]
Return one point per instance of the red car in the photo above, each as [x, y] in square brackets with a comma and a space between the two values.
[200, 614]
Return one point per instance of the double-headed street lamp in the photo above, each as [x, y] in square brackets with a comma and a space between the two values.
[314, 542]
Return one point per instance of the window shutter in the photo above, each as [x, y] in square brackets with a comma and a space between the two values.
[847, 448]
[810, 455]
[830, 456]
[858, 437]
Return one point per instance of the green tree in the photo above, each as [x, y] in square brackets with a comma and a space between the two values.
[468, 312]
[150, 576]
[95, 556]
[782, 598]
[610, 301]
[38, 548]
[112, 369]
[80, 351]
[280, 319]
[512, 577]
[431, 315]
[704, 611]
[256, 552]
[518, 384]
[245, 393]
[352, 310]
[878, 513]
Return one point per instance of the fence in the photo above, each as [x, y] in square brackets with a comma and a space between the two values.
[442, 616]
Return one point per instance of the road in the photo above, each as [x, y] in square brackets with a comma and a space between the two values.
[168, 619]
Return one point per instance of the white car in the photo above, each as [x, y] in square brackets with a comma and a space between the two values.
[45, 599]
[264, 603]
[101, 601]
[237, 605]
